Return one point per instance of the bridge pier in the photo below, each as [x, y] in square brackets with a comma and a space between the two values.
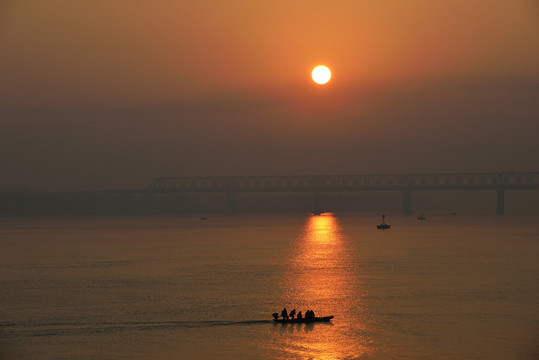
[500, 208]
[317, 202]
[407, 202]
[231, 202]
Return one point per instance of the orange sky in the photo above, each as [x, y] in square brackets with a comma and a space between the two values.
[392, 63]
[124, 51]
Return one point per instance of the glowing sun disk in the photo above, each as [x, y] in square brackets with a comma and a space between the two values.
[321, 74]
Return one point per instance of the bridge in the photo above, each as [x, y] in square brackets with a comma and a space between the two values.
[405, 183]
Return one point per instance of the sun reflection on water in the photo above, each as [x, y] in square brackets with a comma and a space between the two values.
[322, 277]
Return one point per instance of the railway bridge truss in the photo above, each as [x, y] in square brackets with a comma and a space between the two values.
[404, 183]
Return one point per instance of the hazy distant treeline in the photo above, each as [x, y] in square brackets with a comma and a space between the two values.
[147, 203]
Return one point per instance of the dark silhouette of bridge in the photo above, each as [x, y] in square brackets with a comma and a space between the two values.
[179, 194]
[405, 183]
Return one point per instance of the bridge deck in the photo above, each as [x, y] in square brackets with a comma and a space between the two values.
[396, 182]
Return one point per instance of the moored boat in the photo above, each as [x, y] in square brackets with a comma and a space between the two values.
[383, 225]
[304, 320]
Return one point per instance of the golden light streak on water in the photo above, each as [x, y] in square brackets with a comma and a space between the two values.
[322, 278]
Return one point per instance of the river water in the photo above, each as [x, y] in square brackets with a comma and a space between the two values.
[182, 288]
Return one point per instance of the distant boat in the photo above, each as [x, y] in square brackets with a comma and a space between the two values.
[203, 218]
[383, 225]
[421, 217]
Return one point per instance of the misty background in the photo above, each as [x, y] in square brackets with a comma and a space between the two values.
[108, 95]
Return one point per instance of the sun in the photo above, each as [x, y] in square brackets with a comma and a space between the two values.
[321, 74]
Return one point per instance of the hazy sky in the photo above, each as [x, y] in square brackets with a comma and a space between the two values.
[112, 93]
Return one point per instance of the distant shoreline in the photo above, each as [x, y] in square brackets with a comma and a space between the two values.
[142, 202]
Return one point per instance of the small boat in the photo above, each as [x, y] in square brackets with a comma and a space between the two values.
[421, 217]
[203, 218]
[383, 225]
[303, 320]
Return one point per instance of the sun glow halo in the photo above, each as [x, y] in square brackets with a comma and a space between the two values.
[321, 74]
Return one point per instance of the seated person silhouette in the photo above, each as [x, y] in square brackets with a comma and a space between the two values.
[275, 316]
[300, 315]
[284, 314]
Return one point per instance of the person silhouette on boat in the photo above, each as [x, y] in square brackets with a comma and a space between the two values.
[284, 314]
[300, 315]
[275, 316]
[292, 314]
[312, 315]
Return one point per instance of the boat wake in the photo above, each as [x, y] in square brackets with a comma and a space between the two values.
[13, 330]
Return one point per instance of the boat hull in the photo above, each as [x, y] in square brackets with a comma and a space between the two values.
[303, 320]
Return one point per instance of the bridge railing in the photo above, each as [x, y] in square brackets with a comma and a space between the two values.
[505, 180]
